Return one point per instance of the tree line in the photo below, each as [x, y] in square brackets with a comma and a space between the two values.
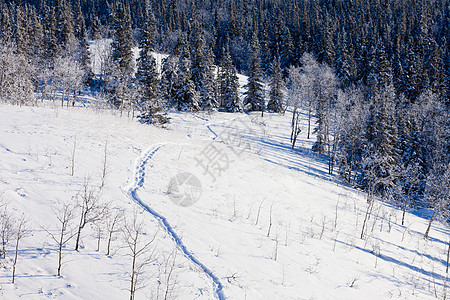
[374, 74]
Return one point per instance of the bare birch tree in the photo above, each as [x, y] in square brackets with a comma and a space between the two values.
[23, 230]
[92, 209]
[140, 248]
[65, 232]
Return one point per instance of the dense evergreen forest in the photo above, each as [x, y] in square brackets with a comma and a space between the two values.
[374, 73]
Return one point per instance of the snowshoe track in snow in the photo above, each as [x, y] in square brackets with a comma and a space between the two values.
[131, 191]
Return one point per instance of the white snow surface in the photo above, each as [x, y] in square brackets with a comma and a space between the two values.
[313, 249]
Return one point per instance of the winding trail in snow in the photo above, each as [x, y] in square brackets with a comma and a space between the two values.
[131, 191]
[212, 131]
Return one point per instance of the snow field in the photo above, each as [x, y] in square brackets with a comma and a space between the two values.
[272, 225]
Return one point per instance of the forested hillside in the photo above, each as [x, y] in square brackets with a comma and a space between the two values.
[375, 74]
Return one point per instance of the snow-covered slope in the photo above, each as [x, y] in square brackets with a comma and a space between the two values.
[269, 223]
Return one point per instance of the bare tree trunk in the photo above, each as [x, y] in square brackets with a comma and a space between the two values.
[309, 117]
[62, 97]
[293, 123]
[166, 295]
[22, 231]
[79, 234]
[109, 243]
[68, 96]
[61, 240]
[105, 164]
[74, 99]
[132, 234]
[433, 216]
[65, 234]
[133, 268]
[111, 227]
[448, 256]
[270, 221]
[332, 156]
[406, 204]
[73, 156]
[371, 201]
[15, 259]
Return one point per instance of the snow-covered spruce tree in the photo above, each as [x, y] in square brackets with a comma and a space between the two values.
[6, 28]
[412, 166]
[327, 53]
[37, 39]
[51, 40]
[381, 141]
[345, 64]
[22, 38]
[413, 79]
[446, 74]
[95, 29]
[186, 96]
[382, 131]
[64, 26]
[147, 74]
[276, 95]
[168, 77]
[254, 94]
[83, 55]
[281, 45]
[122, 40]
[167, 84]
[380, 75]
[119, 82]
[202, 71]
[229, 83]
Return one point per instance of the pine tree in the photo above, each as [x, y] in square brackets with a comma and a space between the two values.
[169, 72]
[83, 55]
[434, 66]
[51, 41]
[397, 72]
[22, 38]
[168, 78]
[380, 72]
[202, 71]
[95, 31]
[6, 33]
[412, 77]
[381, 152]
[345, 64]
[276, 96]
[229, 84]
[266, 55]
[446, 74]
[122, 54]
[120, 83]
[64, 25]
[364, 57]
[254, 95]
[147, 73]
[37, 37]
[186, 96]
[282, 45]
[327, 53]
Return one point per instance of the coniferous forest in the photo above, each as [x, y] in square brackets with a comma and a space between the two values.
[373, 76]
